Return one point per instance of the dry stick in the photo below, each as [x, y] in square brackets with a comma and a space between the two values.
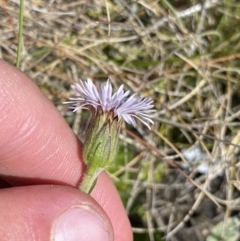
[63, 36]
[188, 216]
[195, 90]
[187, 66]
[196, 203]
[232, 203]
[194, 207]
[231, 169]
[108, 18]
[135, 191]
[129, 164]
[99, 42]
[150, 193]
[188, 96]
[186, 127]
[171, 145]
[11, 21]
[234, 116]
[198, 200]
[172, 164]
[200, 135]
[231, 156]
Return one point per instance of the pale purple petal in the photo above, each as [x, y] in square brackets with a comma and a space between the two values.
[122, 106]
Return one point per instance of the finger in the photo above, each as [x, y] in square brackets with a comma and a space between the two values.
[36, 144]
[50, 212]
[107, 196]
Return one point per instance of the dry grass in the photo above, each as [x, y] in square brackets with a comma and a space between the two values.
[186, 56]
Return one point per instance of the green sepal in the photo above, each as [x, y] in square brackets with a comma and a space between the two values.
[100, 147]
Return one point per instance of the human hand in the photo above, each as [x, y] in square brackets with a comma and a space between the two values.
[40, 158]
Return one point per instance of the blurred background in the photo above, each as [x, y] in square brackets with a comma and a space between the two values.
[181, 180]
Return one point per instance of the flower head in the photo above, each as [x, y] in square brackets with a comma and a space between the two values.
[101, 143]
[119, 104]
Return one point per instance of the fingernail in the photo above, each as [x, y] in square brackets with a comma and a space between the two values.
[81, 223]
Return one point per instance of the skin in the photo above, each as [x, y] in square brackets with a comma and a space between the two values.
[41, 165]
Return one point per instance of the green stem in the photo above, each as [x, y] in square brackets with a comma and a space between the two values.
[19, 49]
[89, 180]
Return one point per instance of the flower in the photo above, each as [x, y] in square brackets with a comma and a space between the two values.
[109, 110]
[118, 104]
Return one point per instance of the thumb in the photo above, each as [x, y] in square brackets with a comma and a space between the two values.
[56, 213]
